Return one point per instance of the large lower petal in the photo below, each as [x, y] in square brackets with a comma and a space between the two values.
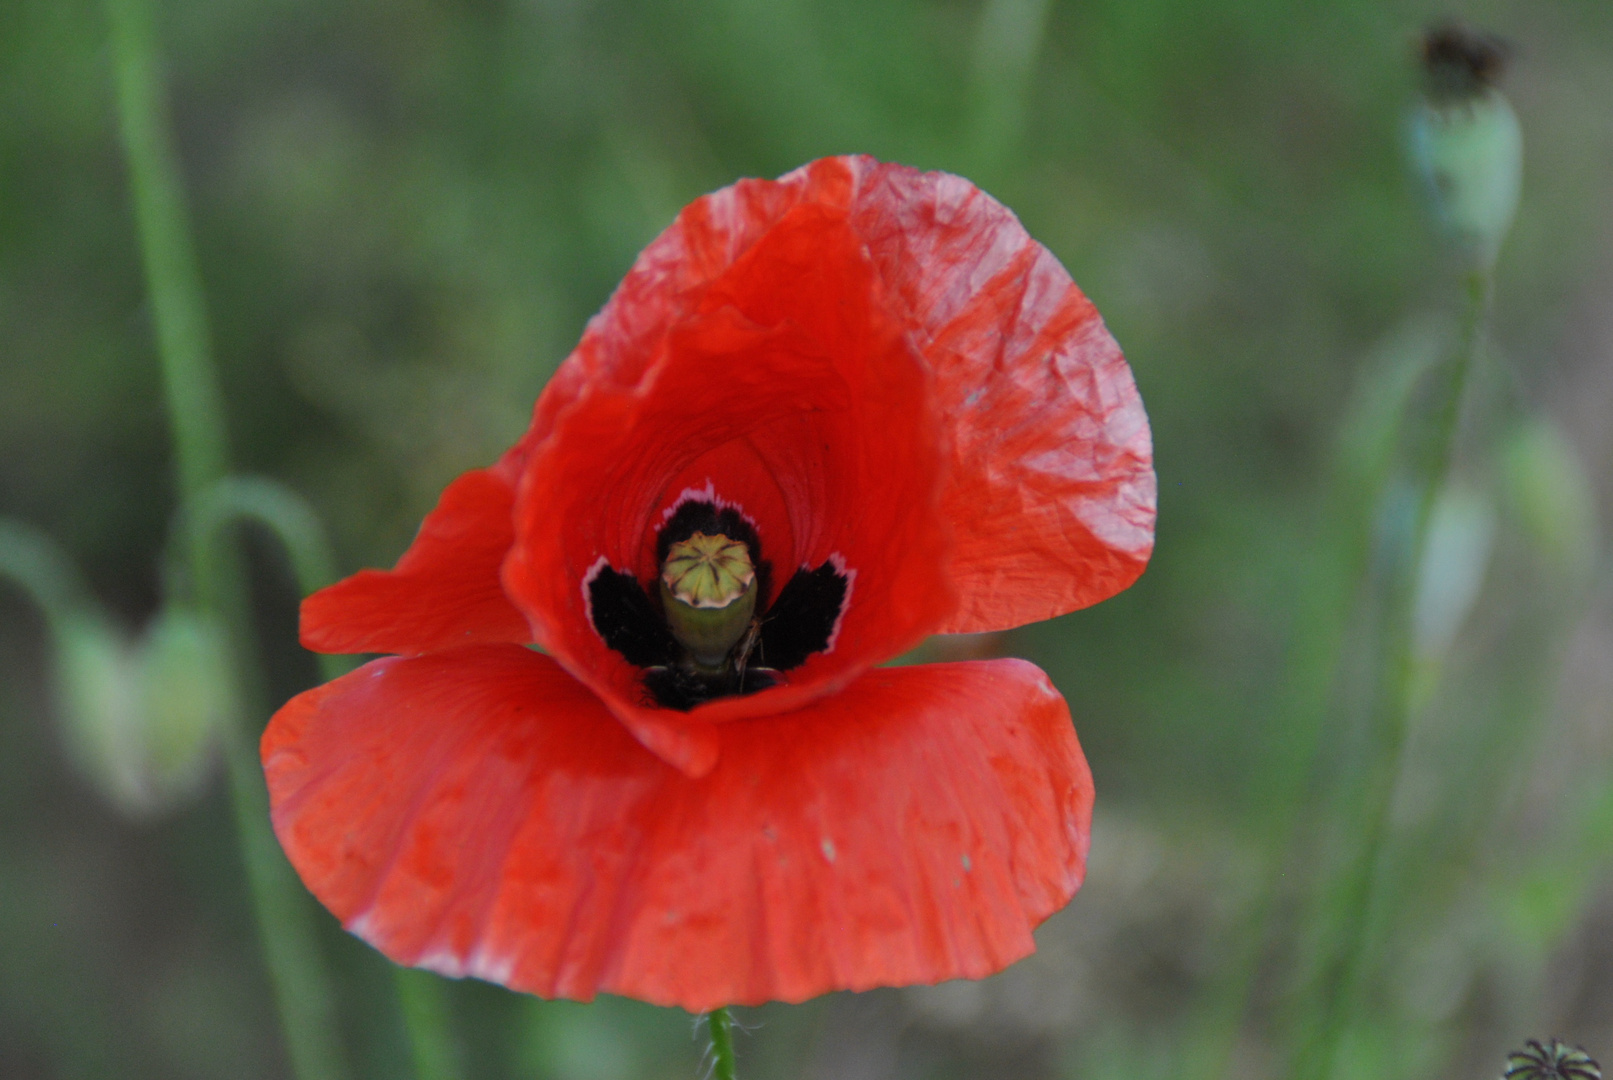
[478, 812]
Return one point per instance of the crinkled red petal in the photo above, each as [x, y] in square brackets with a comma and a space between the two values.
[478, 812]
[791, 393]
[1052, 488]
[443, 593]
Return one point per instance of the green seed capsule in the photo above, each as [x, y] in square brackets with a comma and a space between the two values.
[708, 592]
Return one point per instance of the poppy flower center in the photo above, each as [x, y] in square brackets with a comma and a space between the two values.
[711, 626]
[708, 593]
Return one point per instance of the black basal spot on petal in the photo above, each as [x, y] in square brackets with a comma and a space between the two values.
[802, 618]
[627, 619]
[676, 688]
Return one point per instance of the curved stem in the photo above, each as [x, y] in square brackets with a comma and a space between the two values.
[285, 515]
[721, 1026]
[302, 989]
[292, 521]
[39, 566]
[1341, 984]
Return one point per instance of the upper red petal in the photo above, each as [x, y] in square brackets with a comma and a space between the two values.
[444, 591]
[478, 812]
[793, 393]
[1052, 490]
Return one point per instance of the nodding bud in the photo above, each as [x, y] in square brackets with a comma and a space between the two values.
[708, 592]
[1466, 145]
[141, 717]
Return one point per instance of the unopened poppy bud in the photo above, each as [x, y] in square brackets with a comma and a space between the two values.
[1455, 558]
[185, 696]
[97, 694]
[140, 717]
[1551, 1061]
[708, 591]
[1551, 497]
[1466, 145]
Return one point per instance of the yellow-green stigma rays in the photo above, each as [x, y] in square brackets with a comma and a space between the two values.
[708, 591]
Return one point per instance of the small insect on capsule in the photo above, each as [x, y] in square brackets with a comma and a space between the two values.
[742, 651]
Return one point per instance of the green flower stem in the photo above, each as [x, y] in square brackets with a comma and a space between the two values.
[425, 1013]
[289, 518]
[278, 509]
[37, 564]
[302, 989]
[1340, 987]
[195, 408]
[721, 1026]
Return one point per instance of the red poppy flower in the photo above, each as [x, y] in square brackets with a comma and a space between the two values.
[858, 405]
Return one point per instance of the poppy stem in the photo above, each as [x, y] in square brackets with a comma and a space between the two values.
[38, 565]
[289, 518]
[721, 1027]
[195, 411]
[1339, 989]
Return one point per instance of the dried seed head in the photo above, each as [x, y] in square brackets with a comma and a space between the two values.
[1551, 1061]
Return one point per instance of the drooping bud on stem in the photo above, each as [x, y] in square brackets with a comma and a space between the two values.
[708, 591]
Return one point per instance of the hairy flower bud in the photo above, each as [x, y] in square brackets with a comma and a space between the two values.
[97, 691]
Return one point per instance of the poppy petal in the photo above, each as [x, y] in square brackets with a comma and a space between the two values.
[1052, 488]
[1051, 491]
[478, 812]
[444, 591]
[796, 392]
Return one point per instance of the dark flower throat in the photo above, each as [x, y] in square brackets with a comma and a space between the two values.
[797, 624]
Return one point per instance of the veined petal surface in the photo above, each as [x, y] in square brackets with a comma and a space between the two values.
[1049, 491]
[791, 394]
[479, 812]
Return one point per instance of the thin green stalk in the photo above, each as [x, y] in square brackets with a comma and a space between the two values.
[302, 990]
[195, 408]
[1342, 981]
[425, 1013]
[721, 1026]
[301, 987]
[287, 516]
[38, 565]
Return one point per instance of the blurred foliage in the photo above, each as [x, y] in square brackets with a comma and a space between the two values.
[405, 213]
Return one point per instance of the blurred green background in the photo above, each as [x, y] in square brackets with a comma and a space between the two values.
[406, 210]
